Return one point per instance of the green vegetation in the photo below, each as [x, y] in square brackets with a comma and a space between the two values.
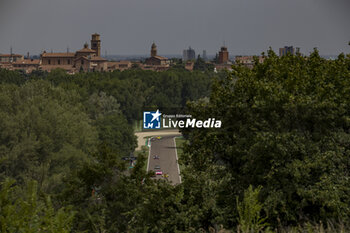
[64, 136]
[138, 126]
[44, 134]
[280, 162]
[286, 130]
[201, 65]
[29, 212]
[143, 153]
[137, 90]
[179, 148]
[249, 219]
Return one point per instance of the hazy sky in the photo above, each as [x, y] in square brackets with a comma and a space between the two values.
[130, 26]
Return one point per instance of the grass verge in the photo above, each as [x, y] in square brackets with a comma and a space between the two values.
[138, 126]
[179, 148]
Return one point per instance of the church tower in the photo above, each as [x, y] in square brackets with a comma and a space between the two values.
[96, 44]
[223, 55]
[154, 50]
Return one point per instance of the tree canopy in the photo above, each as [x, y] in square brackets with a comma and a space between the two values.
[286, 129]
[280, 159]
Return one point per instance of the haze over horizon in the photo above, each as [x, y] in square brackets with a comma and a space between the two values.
[129, 27]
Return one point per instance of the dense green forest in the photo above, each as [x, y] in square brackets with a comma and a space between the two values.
[280, 161]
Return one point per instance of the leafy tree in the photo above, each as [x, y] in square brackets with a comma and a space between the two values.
[29, 213]
[199, 64]
[249, 210]
[44, 133]
[68, 133]
[100, 105]
[285, 127]
[12, 77]
[117, 134]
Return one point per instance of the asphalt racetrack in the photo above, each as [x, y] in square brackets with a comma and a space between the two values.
[165, 149]
[141, 136]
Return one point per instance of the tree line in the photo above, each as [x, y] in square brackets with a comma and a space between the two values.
[63, 138]
[279, 162]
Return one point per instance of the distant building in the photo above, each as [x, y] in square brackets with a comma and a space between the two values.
[189, 65]
[204, 55]
[9, 58]
[6, 65]
[96, 44]
[28, 65]
[188, 54]
[154, 50]
[57, 59]
[156, 60]
[223, 56]
[85, 52]
[287, 49]
[227, 67]
[119, 65]
[248, 61]
[85, 59]
[90, 63]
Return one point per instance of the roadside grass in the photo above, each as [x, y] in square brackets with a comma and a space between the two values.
[138, 126]
[179, 148]
[147, 140]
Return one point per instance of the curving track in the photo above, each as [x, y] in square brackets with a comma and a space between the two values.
[165, 148]
[141, 135]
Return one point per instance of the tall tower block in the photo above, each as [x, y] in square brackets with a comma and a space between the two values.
[223, 55]
[96, 44]
[154, 50]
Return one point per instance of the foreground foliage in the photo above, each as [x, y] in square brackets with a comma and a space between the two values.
[29, 212]
[280, 162]
[286, 129]
[44, 133]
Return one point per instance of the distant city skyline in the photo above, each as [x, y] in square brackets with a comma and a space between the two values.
[129, 27]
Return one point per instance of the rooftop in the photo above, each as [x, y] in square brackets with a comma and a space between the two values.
[160, 57]
[91, 58]
[57, 54]
[11, 55]
[86, 50]
[28, 62]
[95, 58]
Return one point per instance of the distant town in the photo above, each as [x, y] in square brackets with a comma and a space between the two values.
[89, 59]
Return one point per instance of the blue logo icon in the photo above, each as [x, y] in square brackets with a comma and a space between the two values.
[151, 120]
